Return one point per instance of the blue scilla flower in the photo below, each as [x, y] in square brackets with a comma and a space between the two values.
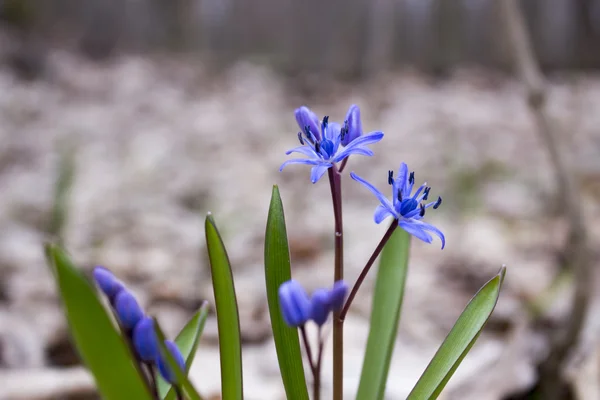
[406, 209]
[144, 340]
[128, 310]
[163, 366]
[294, 303]
[332, 143]
[107, 282]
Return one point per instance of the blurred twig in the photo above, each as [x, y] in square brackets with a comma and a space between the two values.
[567, 192]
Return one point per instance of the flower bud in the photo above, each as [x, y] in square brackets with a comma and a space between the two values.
[163, 366]
[107, 282]
[319, 306]
[294, 303]
[128, 310]
[337, 295]
[306, 118]
[144, 340]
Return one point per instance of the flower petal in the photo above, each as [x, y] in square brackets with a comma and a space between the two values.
[354, 125]
[317, 172]
[434, 230]
[381, 213]
[415, 229]
[306, 150]
[305, 117]
[370, 138]
[299, 161]
[382, 199]
[347, 152]
[332, 131]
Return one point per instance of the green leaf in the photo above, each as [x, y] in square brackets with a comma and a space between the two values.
[459, 341]
[62, 187]
[385, 316]
[187, 342]
[277, 271]
[98, 341]
[228, 320]
[185, 384]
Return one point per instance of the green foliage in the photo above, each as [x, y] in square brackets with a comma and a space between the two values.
[385, 316]
[459, 341]
[187, 342]
[277, 271]
[227, 314]
[96, 337]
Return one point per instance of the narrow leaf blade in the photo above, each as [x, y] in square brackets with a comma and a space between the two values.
[185, 384]
[459, 341]
[187, 341]
[385, 316]
[99, 343]
[277, 271]
[228, 320]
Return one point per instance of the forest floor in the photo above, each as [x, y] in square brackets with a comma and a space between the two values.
[159, 143]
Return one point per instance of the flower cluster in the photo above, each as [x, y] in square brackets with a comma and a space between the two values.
[297, 308]
[138, 327]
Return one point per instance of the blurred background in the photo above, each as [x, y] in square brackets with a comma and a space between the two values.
[123, 122]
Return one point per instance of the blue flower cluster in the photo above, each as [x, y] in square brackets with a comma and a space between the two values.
[138, 327]
[297, 308]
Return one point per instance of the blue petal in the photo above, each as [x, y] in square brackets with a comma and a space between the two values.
[382, 213]
[382, 199]
[317, 172]
[370, 138]
[294, 303]
[305, 117]
[299, 161]
[354, 125]
[319, 306]
[306, 150]
[337, 295]
[434, 230]
[349, 151]
[332, 131]
[415, 229]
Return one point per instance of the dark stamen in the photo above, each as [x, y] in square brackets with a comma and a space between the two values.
[300, 138]
[411, 178]
[437, 203]
[345, 129]
[317, 147]
[422, 211]
[399, 194]
[390, 177]
[325, 121]
[308, 133]
[426, 193]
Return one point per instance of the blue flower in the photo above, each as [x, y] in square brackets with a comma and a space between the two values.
[407, 210]
[128, 310]
[294, 303]
[332, 143]
[144, 340]
[163, 366]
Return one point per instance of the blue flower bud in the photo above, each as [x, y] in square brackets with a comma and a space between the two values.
[107, 282]
[163, 367]
[306, 118]
[337, 295]
[294, 303]
[319, 306]
[144, 340]
[128, 310]
[353, 124]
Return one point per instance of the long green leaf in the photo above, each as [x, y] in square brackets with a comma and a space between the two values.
[228, 320]
[459, 341]
[277, 271]
[184, 383]
[187, 342]
[99, 343]
[385, 316]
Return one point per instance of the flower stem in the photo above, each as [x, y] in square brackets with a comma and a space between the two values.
[366, 269]
[335, 183]
[317, 373]
[308, 350]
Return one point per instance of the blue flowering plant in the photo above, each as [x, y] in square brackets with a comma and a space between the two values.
[130, 358]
